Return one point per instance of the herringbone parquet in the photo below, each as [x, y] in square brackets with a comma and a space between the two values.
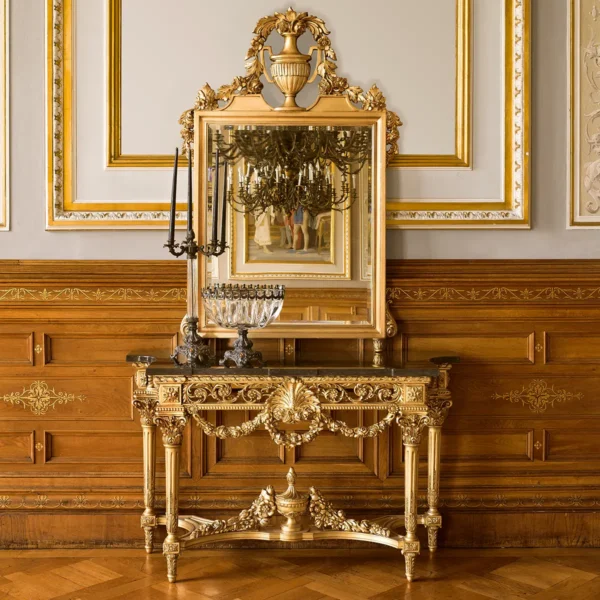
[551, 574]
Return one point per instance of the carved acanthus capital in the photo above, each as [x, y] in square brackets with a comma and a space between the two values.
[172, 428]
[438, 405]
[412, 427]
[145, 402]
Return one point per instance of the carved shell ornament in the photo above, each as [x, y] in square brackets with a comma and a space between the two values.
[293, 402]
[290, 72]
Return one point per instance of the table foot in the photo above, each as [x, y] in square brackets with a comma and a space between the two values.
[148, 524]
[171, 551]
[432, 538]
[409, 561]
[172, 567]
[149, 539]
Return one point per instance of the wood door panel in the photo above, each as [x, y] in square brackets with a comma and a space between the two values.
[16, 348]
[66, 398]
[77, 349]
[17, 447]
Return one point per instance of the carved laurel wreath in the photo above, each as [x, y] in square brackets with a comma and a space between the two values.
[330, 84]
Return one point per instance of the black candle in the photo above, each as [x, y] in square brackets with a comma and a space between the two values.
[215, 208]
[190, 189]
[224, 209]
[171, 238]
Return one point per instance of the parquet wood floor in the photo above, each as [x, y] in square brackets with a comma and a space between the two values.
[541, 574]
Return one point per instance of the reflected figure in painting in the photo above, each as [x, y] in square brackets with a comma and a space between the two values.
[262, 231]
[301, 234]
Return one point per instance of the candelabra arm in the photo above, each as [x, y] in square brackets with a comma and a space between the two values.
[174, 248]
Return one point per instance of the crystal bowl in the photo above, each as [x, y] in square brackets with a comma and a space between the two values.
[243, 307]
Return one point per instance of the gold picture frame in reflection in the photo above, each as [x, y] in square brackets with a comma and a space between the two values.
[292, 245]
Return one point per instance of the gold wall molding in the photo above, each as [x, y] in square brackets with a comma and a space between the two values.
[461, 158]
[63, 212]
[538, 396]
[584, 126]
[484, 295]
[513, 209]
[96, 295]
[4, 117]
[39, 398]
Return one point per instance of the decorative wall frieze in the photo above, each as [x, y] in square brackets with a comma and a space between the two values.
[388, 500]
[538, 396]
[39, 398]
[494, 294]
[95, 295]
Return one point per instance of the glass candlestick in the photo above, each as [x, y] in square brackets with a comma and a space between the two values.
[243, 307]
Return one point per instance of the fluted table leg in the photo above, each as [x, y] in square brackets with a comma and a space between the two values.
[412, 427]
[146, 406]
[172, 430]
[433, 519]
[149, 515]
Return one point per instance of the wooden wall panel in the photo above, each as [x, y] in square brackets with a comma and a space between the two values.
[491, 348]
[572, 445]
[101, 349]
[520, 452]
[572, 348]
[17, 447]
[16, 348]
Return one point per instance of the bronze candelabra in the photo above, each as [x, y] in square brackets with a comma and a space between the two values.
[195, 350]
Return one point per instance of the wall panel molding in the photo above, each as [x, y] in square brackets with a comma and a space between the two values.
[584, 104]
[512, 209]
[462, 157]
[63, 211]
[4, 116]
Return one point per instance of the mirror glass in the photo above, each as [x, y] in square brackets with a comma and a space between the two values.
[298, 206]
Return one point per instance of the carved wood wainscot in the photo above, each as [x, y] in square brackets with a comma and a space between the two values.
[278, 398]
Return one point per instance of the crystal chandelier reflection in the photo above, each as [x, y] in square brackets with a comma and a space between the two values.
[286, 168]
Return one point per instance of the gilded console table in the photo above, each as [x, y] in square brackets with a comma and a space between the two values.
[168, 397]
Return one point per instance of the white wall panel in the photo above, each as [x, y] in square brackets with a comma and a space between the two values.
[548, 238]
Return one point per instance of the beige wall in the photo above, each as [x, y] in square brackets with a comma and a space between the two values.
[548, 238]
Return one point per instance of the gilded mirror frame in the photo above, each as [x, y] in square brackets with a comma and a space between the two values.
[328, 110]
